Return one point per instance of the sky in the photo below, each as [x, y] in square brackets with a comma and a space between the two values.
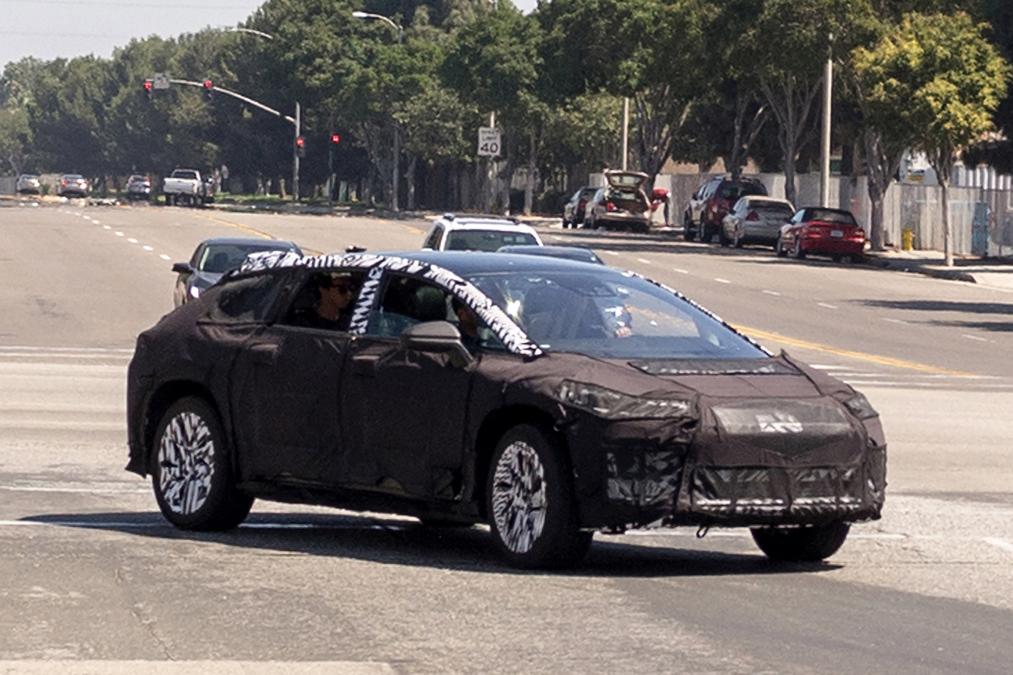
[47, 29]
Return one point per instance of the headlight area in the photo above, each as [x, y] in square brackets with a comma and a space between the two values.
[614, 405]
[860, 407]
[634, 449]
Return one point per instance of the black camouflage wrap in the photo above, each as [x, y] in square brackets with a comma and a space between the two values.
[742, 442]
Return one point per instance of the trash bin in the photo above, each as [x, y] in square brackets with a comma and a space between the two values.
[907, 239]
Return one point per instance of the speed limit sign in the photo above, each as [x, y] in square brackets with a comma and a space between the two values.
[488, 142]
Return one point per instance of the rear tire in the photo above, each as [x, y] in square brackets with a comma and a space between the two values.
[779, 248]
[191, 470]
[530, 502]
[801, 544]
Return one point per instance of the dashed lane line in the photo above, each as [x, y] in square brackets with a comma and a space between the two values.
[147, 248]
[645, 261]
[132, 240]
[893, 320]
[974, 337]
[164, 257]
[1000, 543]
[608, 252]
[722, 281]
[826, 305]
[774, 293]
[680, 271]
[119, 234]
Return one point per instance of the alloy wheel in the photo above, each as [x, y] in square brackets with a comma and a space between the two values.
[519, 497]
[186, 454]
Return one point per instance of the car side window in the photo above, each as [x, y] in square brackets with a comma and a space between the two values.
[243, 300]
[433, 240]
[405, 302]
[325, 300]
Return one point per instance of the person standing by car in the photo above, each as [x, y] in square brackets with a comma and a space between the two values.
[334, 293]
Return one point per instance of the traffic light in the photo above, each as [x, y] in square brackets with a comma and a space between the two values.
[300, 146]
[149, 88]
[335, 139]
[209, 88]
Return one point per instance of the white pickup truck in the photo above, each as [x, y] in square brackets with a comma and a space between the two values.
[187, 187]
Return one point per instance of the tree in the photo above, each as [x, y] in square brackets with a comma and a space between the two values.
[790, 71]
[937, 76]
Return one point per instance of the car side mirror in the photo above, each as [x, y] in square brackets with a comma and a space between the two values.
[182, 268]
[439, 337]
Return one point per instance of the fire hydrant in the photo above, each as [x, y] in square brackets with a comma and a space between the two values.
[907, 239]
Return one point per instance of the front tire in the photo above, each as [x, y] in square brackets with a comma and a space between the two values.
[801, 544]
[191, 473]
[797, 251]
[531, 506]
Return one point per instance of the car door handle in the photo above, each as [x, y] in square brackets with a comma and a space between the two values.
[264, 353]
[364, 365]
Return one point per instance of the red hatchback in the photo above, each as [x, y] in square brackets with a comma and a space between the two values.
[832, 232]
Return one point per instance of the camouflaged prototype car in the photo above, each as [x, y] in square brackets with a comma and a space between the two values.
[545, 397]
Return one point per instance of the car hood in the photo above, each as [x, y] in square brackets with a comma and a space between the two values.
[625, 179]
[204, 280]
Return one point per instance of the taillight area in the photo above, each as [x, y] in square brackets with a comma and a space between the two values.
[753, 216]
[609, 206]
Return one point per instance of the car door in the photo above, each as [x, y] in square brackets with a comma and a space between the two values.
[790, 233]
[404, 411]
[287, 387]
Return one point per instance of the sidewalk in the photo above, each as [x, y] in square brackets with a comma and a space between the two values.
[994, 272]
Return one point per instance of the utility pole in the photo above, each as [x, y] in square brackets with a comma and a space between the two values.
[626, 130]
[828, 98]
[295, 154]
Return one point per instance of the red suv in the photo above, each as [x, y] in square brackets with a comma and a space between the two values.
[711, 203]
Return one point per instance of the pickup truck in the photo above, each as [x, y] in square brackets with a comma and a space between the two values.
[186, 186]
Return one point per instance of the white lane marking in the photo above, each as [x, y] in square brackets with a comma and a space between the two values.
[828, 306]
[148, 248]
[132, 240]
[721, 281]
[106, 227]
[120, 234]
[178, 667]
[164, 257]
[96, 222]
[608, 252]
[734, 534]
[86, 490]
[772, 293]
[892, 320]
[975, 337]
[676, 269]
[1000, 543]
[28, 355]
[26, 348]
[645, 261]
[105, 524]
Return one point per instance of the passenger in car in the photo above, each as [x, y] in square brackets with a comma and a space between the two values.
[334, 293]
[467, 324]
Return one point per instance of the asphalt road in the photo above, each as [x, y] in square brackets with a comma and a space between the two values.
[95, 581]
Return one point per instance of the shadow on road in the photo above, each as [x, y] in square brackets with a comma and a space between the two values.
[407, 542]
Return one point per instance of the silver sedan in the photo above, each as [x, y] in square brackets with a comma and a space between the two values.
[755, 220]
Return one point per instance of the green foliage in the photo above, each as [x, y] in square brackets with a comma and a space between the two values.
[935, 78]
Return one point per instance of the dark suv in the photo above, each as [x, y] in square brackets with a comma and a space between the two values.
[711, 203]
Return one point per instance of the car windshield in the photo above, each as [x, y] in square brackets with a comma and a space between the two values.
[486, 240]
[772, 209]
[610, 315]
[220, 258]
[733, 191]
[829, 216]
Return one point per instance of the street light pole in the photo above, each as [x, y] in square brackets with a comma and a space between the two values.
[828, 100]
[295, 153]
[395, 177]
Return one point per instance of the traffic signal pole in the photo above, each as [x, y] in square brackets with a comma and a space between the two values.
[295, 121]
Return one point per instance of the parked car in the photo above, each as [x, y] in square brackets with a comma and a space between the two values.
[478, 233]
[755, 220]
[138, 187]
[580, 253]
[711, 202]
[73, 185]
[213, 258]
[187, 187]
[573, 209]
[575, 398]
[28, 184]
[621, 204]
[813, 229]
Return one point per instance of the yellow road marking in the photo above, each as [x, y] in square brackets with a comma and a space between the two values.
[861, 356]
[222, 221]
